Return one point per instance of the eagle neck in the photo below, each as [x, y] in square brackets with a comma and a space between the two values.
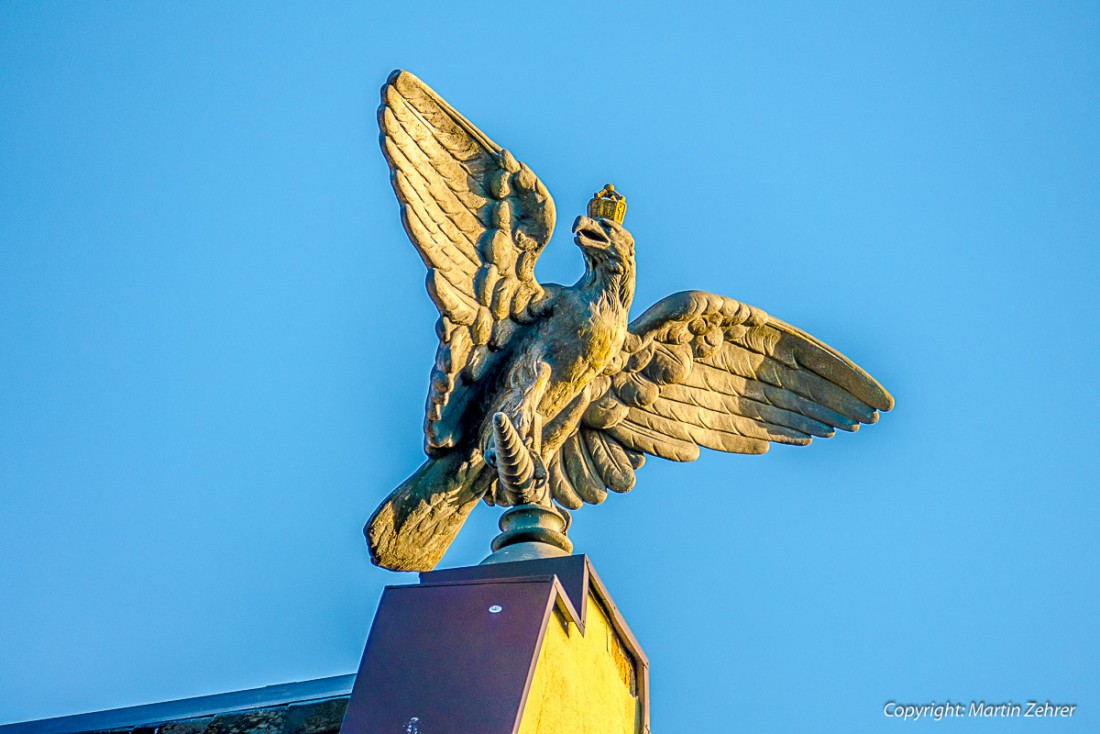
[608, 284]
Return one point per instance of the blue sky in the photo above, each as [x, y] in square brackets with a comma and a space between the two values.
[216, 340]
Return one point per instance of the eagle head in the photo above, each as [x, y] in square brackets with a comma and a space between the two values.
[605, 244]
[608, 251]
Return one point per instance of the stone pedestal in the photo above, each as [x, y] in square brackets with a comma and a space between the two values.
[532, 647]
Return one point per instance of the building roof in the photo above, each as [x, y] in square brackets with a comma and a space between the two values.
[305, 707]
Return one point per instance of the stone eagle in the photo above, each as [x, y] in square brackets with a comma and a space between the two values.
[543, 393]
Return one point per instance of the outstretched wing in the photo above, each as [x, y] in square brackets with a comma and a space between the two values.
[702, 370]
[479, 219]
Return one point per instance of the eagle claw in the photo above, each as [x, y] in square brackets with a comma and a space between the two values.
[540, 475]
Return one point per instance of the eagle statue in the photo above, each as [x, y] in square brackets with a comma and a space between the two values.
[547, 396]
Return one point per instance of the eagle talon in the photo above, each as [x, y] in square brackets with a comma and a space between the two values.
[540, 476]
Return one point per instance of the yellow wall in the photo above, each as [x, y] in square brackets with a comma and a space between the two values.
[582, 684]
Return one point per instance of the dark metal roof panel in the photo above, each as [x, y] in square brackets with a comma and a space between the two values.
[453, 657]
[189, 708]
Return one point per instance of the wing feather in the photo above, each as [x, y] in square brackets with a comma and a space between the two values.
[420, 221]
[740, 405]
[705, 377]
[700, 370]
[561, 488]
[590, 463]
[643, 439]
[678, 406]
[448, 217]
[582, 474]
[450, 298]
[478, 218]
[610, 459]
[431, 150]
[817, 357]
[736, 360]
[696, 433]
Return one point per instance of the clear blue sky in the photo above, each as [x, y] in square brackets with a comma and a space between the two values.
[215, 340]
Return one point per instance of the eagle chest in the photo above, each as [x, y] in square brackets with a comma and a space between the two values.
[599, 336]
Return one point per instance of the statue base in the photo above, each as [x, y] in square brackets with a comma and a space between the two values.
[529, 533]
[529, 647]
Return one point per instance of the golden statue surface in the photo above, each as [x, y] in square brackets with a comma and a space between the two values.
[546, 397]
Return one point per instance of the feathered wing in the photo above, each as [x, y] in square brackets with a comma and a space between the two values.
[479, 219]
[702, 370]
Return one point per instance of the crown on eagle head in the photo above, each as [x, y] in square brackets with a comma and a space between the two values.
[607, 203]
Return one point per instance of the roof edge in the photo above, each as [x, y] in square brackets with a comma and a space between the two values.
[280, 694]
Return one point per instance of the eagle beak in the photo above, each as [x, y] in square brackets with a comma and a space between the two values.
[588, 233]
